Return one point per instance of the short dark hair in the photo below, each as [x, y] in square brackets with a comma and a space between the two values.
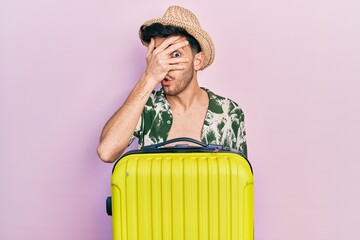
[164, 31]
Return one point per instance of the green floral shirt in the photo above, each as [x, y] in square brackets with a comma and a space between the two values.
[224, 122]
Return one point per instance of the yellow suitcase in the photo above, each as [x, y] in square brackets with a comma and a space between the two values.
[182, 192]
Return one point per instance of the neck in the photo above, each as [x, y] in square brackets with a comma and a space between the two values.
[193, 95]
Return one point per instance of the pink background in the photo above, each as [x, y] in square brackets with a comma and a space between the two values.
[293, 66]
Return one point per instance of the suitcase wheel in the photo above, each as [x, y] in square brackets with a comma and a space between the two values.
[108, 206]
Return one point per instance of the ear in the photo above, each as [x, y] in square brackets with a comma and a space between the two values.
[199, 59]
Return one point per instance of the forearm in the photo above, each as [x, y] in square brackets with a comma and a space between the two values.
[119, 129]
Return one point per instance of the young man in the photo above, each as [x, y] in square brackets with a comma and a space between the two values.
[177, 49]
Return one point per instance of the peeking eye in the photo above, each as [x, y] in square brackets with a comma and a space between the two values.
[175, 54]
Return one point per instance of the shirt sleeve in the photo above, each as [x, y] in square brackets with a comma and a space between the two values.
[241, 142]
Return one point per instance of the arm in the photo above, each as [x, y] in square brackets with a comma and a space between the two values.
[119, 129]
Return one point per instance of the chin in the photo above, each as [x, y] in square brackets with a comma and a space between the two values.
[170, 93]
[175, 88]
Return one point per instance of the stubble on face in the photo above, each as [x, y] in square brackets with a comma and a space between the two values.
[180, 82]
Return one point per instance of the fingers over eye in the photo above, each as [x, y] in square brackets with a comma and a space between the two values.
[166, 43]
[169, 41]
[178, 60]
[176, 67]
[176, 46]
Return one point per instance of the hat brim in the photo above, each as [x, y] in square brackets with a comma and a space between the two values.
[205, 41]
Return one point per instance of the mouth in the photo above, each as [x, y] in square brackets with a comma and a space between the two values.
[166, 81]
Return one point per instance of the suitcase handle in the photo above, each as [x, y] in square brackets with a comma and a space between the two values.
[181, 139]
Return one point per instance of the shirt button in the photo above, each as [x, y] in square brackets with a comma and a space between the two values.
[168, 122]
[234, 139]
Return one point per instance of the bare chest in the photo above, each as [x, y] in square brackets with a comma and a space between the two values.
[188, 124]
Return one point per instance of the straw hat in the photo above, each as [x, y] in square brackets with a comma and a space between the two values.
[181, 17]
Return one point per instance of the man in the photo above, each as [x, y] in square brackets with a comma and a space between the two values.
[177, 49]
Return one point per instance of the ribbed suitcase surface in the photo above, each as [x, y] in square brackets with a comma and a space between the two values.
[182, 195]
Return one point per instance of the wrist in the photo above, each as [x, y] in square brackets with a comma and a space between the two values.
[148, 80]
